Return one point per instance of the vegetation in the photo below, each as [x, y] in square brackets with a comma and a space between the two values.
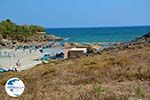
[9, 28]
[139, 91]
[109, 75]
[98, 89]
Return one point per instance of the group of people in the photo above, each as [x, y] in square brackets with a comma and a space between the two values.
[6, 54]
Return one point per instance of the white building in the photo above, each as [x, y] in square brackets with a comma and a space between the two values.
[74, 52]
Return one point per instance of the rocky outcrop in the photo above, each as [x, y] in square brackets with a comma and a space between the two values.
[1, 37]
[52, 38]
[39, 38]
[27, 39]
[5, 42]
[143, 41]
[144, 38]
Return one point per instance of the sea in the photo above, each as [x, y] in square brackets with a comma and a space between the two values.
[99, 34]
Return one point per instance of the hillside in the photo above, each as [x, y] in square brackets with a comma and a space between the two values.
[12, 33]
[114, 74]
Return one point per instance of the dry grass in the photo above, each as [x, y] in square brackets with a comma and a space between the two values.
[110, 75]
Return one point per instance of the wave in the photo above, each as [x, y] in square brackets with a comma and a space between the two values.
[66, 38]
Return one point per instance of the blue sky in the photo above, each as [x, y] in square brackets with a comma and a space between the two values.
[77, 13]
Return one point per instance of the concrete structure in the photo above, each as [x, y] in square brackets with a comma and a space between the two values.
[74, 52]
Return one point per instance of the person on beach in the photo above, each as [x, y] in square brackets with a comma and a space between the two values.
[30, 50]
[18, 64]
[5, 53]
[15, 48]
[41, 50]
[24, 48]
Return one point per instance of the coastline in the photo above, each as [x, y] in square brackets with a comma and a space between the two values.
[119, 73]
[30, 57]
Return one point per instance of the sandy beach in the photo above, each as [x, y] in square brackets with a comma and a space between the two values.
[27, 58]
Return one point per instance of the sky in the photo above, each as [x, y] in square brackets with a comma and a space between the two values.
[77, 13]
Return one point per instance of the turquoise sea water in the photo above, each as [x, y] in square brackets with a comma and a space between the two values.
[102, 34]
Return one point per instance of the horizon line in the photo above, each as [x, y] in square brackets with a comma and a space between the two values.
[98, 26]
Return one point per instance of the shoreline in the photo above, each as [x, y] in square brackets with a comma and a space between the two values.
[29, 56]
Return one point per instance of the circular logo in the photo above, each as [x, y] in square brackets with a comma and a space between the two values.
[14, 87]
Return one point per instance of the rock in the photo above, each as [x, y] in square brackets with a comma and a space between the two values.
[144, 38]
[1, 37]
[52, 38]
[146, 35]
[5, 42]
